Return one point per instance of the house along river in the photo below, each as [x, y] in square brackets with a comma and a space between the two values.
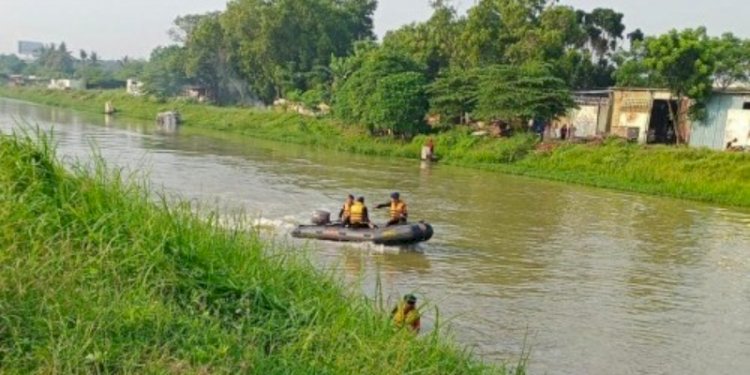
[590, 281]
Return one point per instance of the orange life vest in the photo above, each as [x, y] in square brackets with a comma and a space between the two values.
[347, 209]
[398, 208]
[409, 319]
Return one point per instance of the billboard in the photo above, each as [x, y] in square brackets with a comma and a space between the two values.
[29, 48]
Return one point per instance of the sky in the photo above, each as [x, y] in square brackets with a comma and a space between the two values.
[117, 28]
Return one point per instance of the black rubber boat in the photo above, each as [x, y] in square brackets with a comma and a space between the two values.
[404, 234]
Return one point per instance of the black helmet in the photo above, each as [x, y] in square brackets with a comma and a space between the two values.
[410, 299]
[395, 195]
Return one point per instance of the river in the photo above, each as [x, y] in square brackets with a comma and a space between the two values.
[590, 281]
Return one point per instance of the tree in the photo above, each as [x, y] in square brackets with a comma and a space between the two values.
[207, 61]
[54, 61]
[519, 93]
[361, 95]
[482, 38]
[398, 104]
[603, 29]
[732, 60]
[183, 26]
[11, 64]
[685, 62]
[129, 69]
[631, 71]
[454, 94]
[277, 42]
[433, 43]
[165, 73]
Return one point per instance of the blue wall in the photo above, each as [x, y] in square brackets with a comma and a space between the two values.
[711, 133]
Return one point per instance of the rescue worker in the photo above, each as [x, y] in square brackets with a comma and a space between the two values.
[346, 209]
[406, 314]
[398, 212]
[358, 216]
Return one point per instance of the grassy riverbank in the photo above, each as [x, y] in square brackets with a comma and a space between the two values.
[703, 175]
[97, 278]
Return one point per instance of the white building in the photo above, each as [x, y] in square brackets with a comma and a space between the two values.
[67, 84]
[134, 87]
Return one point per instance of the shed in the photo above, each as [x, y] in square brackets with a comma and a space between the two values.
[644, 114]
[591, 117]
[728, 118]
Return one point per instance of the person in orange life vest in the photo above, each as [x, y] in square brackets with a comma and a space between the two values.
[358, 216]
[406, 314]
[398, 210]
[346, 209]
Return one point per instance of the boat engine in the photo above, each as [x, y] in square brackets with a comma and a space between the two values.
[321, 217]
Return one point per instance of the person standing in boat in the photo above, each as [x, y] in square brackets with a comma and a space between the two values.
[346, 209]
[398, 210]
[358, 217]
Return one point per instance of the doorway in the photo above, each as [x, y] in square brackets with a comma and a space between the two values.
[661, 129]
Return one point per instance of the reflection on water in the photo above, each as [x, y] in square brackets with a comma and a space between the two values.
[600, 281]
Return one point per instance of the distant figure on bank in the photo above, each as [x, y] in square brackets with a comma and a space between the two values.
[346, 210]
[398, 210]
[405, 314]
[564, 132]
[358, 217]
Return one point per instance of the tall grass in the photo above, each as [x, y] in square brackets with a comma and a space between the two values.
[696, 174]
[97, 278]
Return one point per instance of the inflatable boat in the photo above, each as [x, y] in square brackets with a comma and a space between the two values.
[403, 234]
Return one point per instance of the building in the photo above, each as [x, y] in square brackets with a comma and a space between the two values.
[67, 84]
[727, 121]
[644, 115]
[134, 87]
[589, 120]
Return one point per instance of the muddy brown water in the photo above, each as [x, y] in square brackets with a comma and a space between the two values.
[591, 281]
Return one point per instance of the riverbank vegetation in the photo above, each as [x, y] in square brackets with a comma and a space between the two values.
[99, 278]
[680, 172]
[502, 61]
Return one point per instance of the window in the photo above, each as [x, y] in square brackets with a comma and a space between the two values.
[746, 106]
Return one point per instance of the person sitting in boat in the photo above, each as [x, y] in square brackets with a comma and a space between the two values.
[398, 210]
[406, 314]
[346, 209]
[358, 217]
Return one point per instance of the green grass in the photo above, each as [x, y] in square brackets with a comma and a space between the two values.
[98, 278]
[696, 174]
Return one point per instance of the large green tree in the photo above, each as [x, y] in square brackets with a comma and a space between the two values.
[519, 93]
[381, 89]
[453, 95]
[732, 60]
[398, 105]
[685, 62]
[278, 45]
[434, 43]
[164, 75]
[207, 61]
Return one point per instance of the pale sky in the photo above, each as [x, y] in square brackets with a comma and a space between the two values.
[116, 28]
